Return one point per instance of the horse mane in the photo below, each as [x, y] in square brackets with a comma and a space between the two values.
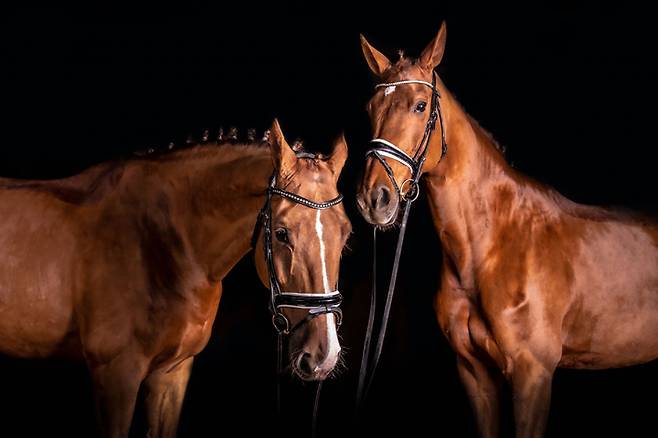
[229, 142]
[488, 135]
[562, 203]
[565, 205]
[93, 183]
[224, 151]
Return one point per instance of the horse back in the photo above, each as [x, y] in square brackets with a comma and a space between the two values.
[613, 317]
[42, 226]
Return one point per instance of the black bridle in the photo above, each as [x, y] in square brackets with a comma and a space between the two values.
[314, 303]
[382, 149]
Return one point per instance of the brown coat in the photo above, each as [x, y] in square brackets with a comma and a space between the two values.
[530, 280]
[122, 265]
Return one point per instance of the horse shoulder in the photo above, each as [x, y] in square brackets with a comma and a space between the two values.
[525, 283]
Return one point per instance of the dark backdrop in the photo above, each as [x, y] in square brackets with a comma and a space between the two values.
[568, 89]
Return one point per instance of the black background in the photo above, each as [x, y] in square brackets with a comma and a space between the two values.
[568, 89]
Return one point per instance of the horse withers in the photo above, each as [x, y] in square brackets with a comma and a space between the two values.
[122, 265]
[530, 280]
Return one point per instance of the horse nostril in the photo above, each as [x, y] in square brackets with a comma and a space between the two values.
[305, 364]
[381, 197]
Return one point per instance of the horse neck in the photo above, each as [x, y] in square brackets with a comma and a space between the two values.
[218, 196]
[461, 188]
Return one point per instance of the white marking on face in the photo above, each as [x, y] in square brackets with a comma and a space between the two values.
[334, 345]
[388, 90]
[332, 330]
[323, 260]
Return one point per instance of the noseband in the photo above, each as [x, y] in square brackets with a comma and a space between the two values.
[314, 303]
[382, 149]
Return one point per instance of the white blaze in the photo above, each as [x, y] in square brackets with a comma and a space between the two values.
[323, 260]
[334, 344]
[332, 333]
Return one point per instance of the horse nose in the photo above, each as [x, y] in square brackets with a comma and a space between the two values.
[380, 198]
[304, 365]
[309, 367]
[378, 205]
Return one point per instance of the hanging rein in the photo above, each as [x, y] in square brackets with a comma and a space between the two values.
[382, 149]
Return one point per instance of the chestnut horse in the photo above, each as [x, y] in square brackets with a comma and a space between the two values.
[530, 280]
[122, 265]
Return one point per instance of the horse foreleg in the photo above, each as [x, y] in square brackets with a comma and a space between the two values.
[472, 342]
[116, 384]
[531, 382]
[165, 391]
[483, 386]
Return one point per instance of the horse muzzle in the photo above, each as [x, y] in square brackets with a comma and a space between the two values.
[378, 204]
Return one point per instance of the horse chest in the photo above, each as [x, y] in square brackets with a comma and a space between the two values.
[187, 327]
[195, 334]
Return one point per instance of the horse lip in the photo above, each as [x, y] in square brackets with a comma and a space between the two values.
[367, 215]
[392, 220]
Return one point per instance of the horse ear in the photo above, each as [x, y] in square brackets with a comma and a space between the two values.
[338, 156]
[283, 156]
[377, 61]
[431, 56]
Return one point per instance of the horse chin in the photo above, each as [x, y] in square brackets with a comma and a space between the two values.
[383, 221]
[306, 376]
[379, 217]
[394, 222]
[319, 372]
[312, 377]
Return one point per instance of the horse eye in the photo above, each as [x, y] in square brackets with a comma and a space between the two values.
[420, 107]
[282, 235]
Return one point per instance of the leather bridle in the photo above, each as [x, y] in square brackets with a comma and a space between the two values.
[314, 303]
[382, 150]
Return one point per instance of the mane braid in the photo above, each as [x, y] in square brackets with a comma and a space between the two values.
[202, 150]
[220, 140]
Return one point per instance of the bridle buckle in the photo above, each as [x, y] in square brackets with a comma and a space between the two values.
[412, 193]
[280, 323]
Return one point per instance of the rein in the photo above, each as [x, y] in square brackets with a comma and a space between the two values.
[314, 303]
[382, 149]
